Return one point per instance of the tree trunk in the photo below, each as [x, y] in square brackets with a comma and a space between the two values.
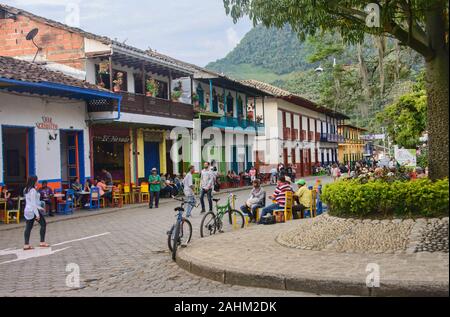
[437, 91]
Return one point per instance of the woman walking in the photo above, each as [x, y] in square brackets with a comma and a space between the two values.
[33, 212]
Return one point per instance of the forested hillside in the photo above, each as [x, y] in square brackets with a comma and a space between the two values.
[359, 80]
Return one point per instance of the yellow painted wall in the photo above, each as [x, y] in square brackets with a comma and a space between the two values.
[127, 154]
[162, 155]
[140, 148]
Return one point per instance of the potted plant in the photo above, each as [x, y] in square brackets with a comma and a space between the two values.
[195, 99]
[177, 92]
[152, 87]
[118, 82]
[176, 95]
[250, 115]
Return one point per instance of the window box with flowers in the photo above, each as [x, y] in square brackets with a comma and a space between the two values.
[152, 87]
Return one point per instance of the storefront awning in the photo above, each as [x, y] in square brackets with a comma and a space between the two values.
[56, 90]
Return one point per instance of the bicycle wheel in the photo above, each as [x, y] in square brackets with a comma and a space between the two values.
[232, 220]
[208, 226]
[170, 237]
[176, 237]
[185, 232]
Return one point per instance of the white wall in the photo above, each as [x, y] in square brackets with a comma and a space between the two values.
[27, 111]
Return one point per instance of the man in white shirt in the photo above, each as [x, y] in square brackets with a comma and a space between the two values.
[206, 186]
[188, 187]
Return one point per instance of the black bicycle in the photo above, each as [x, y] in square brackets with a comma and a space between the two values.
[181, 232]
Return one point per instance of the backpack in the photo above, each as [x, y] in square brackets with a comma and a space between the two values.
[268, 220]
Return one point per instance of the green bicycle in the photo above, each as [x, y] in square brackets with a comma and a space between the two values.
[226, 219]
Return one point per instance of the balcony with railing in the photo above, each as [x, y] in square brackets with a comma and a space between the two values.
[232, 122]
[287, 135]
[310, 136]
[294, 135]
[145, 105]
[303, 135]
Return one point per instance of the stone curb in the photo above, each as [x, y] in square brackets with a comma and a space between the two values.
[310, 284]
[87, 213]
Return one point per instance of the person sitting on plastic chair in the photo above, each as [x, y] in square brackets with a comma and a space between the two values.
[256, 200]
[303, 197]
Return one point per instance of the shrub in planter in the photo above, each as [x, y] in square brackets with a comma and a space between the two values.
[422, 198]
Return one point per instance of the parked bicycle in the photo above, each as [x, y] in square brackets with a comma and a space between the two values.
[181, 232]
[225, 219]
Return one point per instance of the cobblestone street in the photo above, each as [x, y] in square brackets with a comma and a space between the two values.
[130, 259]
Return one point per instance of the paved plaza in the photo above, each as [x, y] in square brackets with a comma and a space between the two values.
[121, 253]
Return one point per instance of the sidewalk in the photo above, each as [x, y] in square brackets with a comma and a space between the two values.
[252, 257]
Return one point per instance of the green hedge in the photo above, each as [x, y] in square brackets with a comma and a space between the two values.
[424, 198]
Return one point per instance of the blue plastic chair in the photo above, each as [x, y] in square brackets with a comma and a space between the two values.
[67, 206]
[94, 198]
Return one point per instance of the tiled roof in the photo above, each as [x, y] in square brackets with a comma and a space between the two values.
[293, 98]
[11, 68]
[102, 39]
[269, 89]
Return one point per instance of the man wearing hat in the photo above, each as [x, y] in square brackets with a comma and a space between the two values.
[303, 197]
[155, 187]
[256, 200]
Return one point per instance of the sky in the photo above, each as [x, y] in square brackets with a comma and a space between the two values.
[195, 31]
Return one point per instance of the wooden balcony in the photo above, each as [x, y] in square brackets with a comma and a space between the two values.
[151, 106]
[303, 135]
[287, 134]
[294, 134]
[310, 136]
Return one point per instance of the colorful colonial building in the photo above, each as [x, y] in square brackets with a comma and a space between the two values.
[129, 138]
[297, 131]
[352, 148]
[43, 126]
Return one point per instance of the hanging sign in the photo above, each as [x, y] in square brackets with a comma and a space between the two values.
[47, 124]
[112, 139]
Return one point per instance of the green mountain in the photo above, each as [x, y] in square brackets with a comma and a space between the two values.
[278, 57]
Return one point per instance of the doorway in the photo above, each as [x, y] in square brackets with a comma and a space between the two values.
[151, 157]
[72, 156]
[18, 156]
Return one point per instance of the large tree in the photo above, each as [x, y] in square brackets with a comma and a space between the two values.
[419, 24]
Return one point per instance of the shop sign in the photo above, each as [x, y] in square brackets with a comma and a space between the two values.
[47, 124]
[112, 139]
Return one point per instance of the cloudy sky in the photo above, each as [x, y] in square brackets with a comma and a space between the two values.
[196, 31]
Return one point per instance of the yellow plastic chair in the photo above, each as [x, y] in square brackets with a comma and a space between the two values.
[145, 193]
[10, 213]
[313, 208]
[287, 211]
[126, 194]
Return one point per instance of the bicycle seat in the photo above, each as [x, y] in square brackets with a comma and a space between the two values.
[179, 209]
[216, 199]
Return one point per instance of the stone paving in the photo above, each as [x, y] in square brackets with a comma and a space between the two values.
[253, 257]
[130, 259]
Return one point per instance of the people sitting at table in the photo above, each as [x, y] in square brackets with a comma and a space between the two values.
[103, 189]
[233, 178]
[6, 195]
[178, 183]
[256, 200]
[168, 187]
[279, 197]
[46, 196]
[106, 176]
[87, 186]
[77, 188]
[303, 198]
